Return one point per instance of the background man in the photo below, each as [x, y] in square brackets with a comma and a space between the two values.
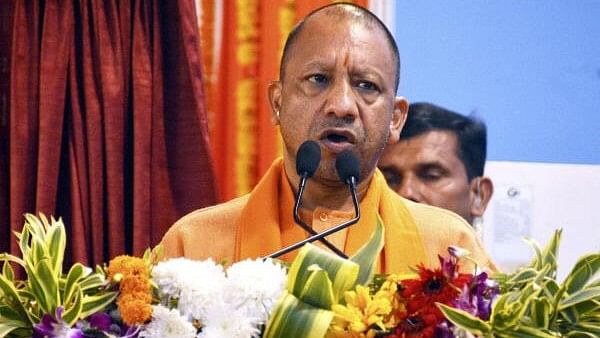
[338, 80]
[440, 161]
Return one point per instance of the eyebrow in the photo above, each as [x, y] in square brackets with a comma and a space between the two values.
[432, 165]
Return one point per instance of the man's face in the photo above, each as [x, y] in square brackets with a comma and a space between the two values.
[426, 169]
[338, 90]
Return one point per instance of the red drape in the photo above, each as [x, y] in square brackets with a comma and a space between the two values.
[106, 124]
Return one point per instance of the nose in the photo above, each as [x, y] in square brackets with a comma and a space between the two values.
[341, 100]
[409, 189]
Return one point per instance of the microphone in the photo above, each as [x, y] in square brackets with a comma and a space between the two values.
[348, 169]
[307, 162]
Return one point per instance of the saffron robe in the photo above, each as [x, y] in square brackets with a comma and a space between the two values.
[261, 223]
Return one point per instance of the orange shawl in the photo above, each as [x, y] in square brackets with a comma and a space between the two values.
[266, 223]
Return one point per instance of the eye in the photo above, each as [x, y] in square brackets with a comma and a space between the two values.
[318, 78]
[368, 85]
[430, 175]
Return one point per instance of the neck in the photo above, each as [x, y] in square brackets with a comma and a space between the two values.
[327, 195]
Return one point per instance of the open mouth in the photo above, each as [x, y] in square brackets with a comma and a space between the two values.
[337, 138]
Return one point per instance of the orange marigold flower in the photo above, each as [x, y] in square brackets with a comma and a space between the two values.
[134, 284]
[127, 265]
[135, 309]
[129, 297]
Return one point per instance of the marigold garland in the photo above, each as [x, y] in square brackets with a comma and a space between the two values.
[135, 297]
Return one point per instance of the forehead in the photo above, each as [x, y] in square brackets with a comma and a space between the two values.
[431, 147]
[329, 37]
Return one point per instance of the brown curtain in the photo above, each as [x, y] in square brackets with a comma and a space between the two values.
[106, 125]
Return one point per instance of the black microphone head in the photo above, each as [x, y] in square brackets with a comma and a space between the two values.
[308, 158]
[347, 166]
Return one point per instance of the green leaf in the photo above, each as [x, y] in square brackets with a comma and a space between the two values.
[92, 304]
[593, 328]
[585, 268]
[74, 308]
[366, 256]
[528, 332]
[583, 308]
[91, 283]
[536, 263]
[580, 296]
[56, 241]
[75, 274]
[12, 299]
[540, 312]
[581, 334]
[293, 318]
[523, 276]
[318, 289]
[342, 272]
[8, 326]
[465, 320]
[44, 285]
[10, 258]
[8, 272]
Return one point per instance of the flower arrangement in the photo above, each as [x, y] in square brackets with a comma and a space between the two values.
[319, 295]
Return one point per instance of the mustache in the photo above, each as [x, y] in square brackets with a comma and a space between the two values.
[335, 122]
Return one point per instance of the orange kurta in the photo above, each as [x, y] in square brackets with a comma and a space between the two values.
[260, 223]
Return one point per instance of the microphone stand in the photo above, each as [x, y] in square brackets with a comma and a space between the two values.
[305, 226]
[352, 182]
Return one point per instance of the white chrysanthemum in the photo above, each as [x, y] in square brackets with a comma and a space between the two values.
[223, 320]
[254, 286]
[195, 284]
[167, 323]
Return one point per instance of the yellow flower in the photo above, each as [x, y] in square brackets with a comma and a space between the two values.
[362, 313]
[135, 298]
[134, 284]
[135, 308]
[127, 266]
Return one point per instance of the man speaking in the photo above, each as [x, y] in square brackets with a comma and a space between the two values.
[337, 87]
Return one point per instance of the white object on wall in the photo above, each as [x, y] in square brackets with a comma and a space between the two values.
[534, 199]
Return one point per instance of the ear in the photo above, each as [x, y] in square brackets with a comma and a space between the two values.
[275, 101]
[398, 118]
[482, 189]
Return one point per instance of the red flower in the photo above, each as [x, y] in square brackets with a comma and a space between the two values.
[422, 325]
[422, 316]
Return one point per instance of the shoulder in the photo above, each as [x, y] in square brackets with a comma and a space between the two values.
[427, 216]
[223, 214]
[441, 228]
[206, 232]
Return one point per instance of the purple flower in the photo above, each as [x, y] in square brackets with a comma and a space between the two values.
[55, 327]
[103, 323]
[100, 321]
[443, 330]
[477, 298]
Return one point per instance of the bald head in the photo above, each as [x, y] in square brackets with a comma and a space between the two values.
[339, 12]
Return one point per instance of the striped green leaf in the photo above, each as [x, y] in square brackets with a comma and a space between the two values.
[8, 326]
[540, 312]
[585, 268]
[75, 274]
[96, 303]
[465, 320]
[579, 297]
[44, 285]
[318, 289]
[341, 272]
[12, 299]
[366, 256]
[56, 241]
[294, 318]
[74, 307]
